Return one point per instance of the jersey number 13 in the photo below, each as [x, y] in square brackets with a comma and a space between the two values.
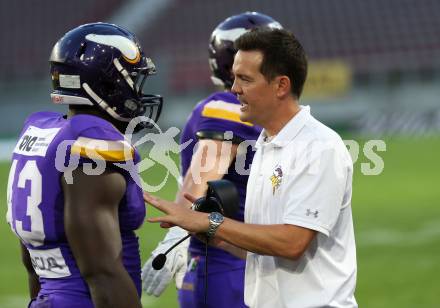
[35, 235]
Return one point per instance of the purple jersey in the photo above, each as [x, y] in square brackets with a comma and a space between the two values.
[46, 145]
[219, 113]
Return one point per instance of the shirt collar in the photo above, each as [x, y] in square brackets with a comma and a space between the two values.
[288, 132]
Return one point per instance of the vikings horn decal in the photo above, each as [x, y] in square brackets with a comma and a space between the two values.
[128, 48]
[229, 35]
[233, 34]
[275, 25]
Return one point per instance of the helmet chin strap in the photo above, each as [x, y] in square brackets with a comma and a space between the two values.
[217, 81]
[124, 73]
[103, 104]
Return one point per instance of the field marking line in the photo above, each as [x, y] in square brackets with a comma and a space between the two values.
[427, 233]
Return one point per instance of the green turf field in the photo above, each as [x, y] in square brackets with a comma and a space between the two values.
[397, 225]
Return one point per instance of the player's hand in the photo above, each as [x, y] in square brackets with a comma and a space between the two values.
[154, 282]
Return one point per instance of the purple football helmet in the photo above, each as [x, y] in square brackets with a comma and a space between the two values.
[103, 65]
[221, 43]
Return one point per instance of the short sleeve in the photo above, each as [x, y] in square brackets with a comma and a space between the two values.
[99, 149]
[315, 191]
[218, 117]
[97, 139]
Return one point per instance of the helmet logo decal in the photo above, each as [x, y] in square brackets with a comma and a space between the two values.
[128, 48]
[275, 25]
[229, 35]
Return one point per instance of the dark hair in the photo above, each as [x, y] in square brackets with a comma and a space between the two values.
[282, 55]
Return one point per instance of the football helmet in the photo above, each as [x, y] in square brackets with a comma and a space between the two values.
[221, 44]
[103, 65]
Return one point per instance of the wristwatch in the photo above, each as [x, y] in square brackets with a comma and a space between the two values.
[215, 220]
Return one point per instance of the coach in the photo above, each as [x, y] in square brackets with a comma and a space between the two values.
[298, 234]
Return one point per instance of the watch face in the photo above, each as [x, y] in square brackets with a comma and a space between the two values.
[216, 217]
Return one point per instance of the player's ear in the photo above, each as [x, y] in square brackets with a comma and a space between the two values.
[283, 86]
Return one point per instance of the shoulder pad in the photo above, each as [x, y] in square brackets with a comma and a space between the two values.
[98, 139]
[108, 150]
[83, 122]
[41, 115]
[219, 109]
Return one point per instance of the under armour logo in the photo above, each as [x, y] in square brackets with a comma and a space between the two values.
[309, 212]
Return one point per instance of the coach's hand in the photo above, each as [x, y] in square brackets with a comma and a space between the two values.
[154, 282]
[177, 215]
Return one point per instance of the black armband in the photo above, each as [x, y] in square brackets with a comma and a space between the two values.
[219, 136]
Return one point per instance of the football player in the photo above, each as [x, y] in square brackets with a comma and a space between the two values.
[214, 125]
[71, 204]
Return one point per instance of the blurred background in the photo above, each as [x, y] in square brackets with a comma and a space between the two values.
[374, 74]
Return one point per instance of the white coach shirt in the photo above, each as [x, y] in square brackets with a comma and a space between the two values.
[303, 177]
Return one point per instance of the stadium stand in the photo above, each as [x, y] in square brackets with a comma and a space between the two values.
[30, 28]
[391, 50]
[372, 36]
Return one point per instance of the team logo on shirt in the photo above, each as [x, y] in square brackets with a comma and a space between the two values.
[276, 178]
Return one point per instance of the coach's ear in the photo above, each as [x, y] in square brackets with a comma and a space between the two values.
[283, 86]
